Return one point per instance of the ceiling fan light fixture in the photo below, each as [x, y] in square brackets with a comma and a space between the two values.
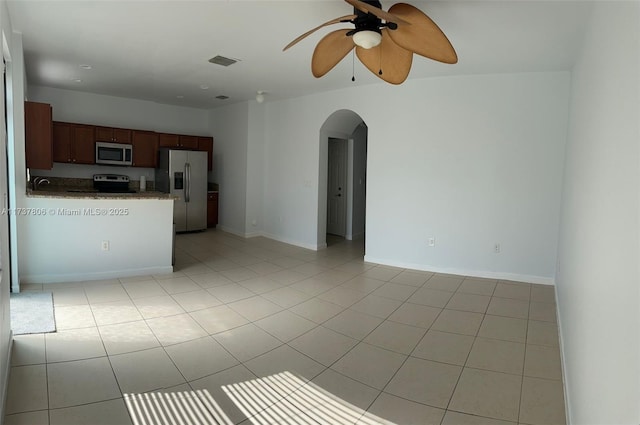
[260, 96]
[367, 39]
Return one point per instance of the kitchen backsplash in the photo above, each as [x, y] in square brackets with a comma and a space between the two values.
[79, 171]
[84, 184]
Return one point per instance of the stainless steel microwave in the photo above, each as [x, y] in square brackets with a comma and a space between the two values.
[113, 153]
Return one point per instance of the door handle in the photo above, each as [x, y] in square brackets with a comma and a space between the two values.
[187, 186]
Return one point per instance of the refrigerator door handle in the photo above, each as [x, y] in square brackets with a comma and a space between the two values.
[187, 185]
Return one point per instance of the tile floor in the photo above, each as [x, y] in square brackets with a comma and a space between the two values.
[409, 346]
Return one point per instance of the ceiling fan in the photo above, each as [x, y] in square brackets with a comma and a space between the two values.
[384, 41]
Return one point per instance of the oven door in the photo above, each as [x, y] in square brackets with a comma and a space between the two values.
[113, 153]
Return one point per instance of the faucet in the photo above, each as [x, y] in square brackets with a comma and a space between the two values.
[37, 181]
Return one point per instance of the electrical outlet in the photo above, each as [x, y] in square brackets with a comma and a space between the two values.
[432, 241]
[496, 248]
[105, 245]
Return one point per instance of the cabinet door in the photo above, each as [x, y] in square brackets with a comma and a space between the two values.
[62, 142]
[206, 144]
[38, 135]
[113, 135]
[121, 135]
[84, 145]
[104, 134]
[168, 140]
[145, 149]
[188, 142]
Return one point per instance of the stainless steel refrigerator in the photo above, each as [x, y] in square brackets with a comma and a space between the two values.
[184, 174]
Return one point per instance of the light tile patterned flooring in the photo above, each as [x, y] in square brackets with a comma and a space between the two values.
[409, 346]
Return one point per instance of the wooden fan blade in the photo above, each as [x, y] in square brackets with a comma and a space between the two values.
[329, 51]
[385, 16]
[393, 60]
[423, 36]
[347, 18]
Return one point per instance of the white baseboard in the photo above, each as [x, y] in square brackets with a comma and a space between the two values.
[424, 267]
[79, 277]
[565, 381]
[357, 236]
[232, 231]
[274, 237]
[463, 272]
[294, 242]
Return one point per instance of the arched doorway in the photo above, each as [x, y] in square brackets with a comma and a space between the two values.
[342, 177]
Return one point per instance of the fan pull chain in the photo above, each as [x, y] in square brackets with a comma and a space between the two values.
[380, 72]
[353, 65]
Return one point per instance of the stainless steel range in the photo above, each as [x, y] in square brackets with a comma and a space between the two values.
[111, 183]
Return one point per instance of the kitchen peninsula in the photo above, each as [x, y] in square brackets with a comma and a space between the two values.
[69, 229]
[81, 236]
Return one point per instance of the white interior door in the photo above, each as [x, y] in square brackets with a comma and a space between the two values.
[337, 188]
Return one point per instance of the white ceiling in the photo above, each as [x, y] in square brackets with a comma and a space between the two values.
[159, 50]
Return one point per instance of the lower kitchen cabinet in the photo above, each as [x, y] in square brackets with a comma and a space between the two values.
[212, 209]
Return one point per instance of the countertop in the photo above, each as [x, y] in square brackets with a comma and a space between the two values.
[65, 193]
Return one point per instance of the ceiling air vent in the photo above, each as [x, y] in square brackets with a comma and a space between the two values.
[221, 60]
[222, 97]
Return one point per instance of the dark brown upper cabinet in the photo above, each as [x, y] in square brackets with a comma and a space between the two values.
[145, 149]
[38, 135]
[206, 144]
[73, 143]
[114, 135]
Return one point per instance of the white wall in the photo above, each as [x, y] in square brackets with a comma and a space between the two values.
[255, 169]
[598, 278]
[231, 128]
[470, 161]
[60, 247]
[97, 109]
